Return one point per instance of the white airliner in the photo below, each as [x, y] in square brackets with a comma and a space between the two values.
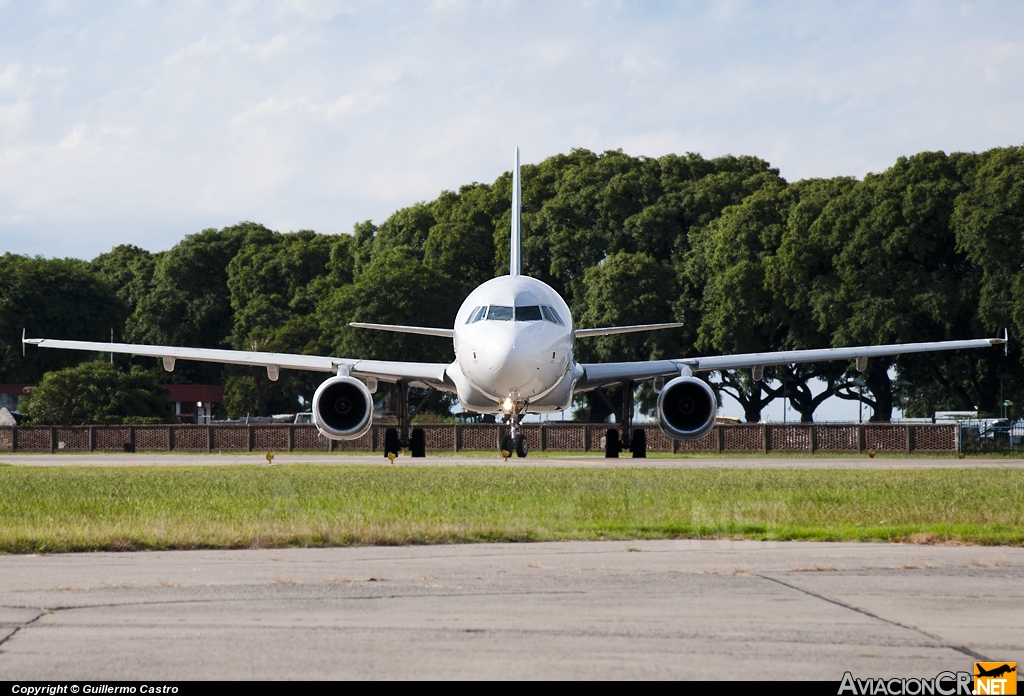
[514, 345]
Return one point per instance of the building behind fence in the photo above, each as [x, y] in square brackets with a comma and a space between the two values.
[550, 437]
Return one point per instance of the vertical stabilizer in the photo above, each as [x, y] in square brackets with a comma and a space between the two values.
[516, 267]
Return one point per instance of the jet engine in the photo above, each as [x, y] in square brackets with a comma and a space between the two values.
[686, 408]
[342, 408]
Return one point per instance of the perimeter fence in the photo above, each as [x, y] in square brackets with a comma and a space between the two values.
[549, 437]
[991, 436]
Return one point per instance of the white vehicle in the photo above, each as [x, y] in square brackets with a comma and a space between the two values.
[514, 354]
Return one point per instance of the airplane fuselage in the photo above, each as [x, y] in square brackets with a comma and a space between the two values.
[514, 344]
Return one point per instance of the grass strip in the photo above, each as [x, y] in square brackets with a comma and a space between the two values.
[52, 509]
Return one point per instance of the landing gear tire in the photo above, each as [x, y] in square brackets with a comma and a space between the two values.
[611, 444]
[418, 443]
[639, 444]
[522, 449]
[391, 443]
[506, 445]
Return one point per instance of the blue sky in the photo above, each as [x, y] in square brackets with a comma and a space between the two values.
[142, 122]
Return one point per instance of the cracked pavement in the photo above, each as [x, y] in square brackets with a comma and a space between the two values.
[580, 610]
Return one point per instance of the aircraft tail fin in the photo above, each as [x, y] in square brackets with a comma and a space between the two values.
[516, 266]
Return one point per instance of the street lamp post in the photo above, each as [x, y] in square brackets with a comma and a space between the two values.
[860, 398]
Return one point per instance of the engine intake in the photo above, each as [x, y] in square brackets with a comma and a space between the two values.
[687, 408]
[342, 408]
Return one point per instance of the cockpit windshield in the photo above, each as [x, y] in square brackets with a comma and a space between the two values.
[551, 315]
[531, 313]
[504, 313]
[499, 313]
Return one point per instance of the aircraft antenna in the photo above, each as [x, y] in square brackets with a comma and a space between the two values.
[516, 267]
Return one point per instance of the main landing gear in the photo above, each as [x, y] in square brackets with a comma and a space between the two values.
[630, 440]
[396, 439]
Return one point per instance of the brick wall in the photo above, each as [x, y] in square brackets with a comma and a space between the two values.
[552, 437]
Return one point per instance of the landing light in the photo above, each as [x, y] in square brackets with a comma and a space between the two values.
[507, 405]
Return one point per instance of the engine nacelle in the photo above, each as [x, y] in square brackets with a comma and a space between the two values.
[342, 408]
[687, 408]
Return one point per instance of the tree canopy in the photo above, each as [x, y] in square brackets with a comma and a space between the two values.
[94, 393]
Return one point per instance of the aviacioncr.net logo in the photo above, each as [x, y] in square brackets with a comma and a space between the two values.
[943, 684]
[995, 678]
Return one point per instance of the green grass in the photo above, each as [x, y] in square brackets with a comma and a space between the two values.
[49, 509]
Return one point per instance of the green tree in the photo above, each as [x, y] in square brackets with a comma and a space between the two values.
[988, 222]
[394, 289]
[796, 274]
[408, 228]
[740, 314]
[461, 244]
[51, 298]
[898, 277]
[627, 288]
[275, 287]
[190, 302]
[95, 393]
[129, 270]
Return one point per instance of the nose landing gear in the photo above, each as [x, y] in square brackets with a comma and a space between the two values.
[515, 441]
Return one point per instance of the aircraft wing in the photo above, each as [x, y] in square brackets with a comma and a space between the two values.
[790, 357]
[597, 375]
[422, 330]
[610, 330]
[600, 374]
[415, 374]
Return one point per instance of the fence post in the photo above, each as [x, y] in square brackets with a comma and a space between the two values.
[92, 438]
[720, 437]
[860, 438]
[250, 437]
[131, 436]
[910, 438]
[765, 445]
[53, 439]
[814, 438]
[543, 438]
[586, 438]
[209, 439]
[457, 438]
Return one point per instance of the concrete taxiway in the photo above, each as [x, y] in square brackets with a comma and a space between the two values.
[580, 610]
[482, 459]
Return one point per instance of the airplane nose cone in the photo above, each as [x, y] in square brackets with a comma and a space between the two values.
[505, 359]
[525, 369]
[513, 372]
